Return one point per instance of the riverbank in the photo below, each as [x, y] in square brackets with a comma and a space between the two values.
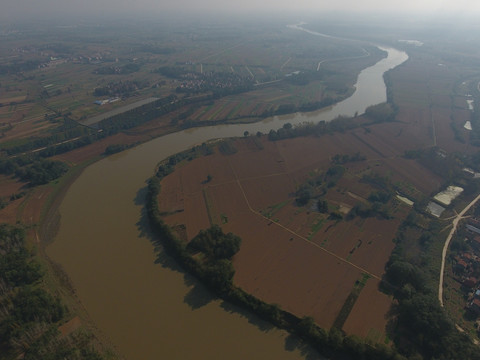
[331, 343]
[56, 278]
[102, 226]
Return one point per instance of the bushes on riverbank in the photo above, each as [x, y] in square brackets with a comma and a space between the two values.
[214, 268]
[422, 328]
[31, 315]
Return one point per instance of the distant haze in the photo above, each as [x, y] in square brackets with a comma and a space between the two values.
[11, 9]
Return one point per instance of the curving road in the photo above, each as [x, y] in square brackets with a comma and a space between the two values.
[447, 242]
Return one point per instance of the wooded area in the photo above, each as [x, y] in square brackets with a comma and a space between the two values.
[31, 315]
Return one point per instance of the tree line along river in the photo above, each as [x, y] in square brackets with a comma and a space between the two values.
[153, 310]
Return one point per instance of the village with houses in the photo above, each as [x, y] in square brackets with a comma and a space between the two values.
[466, 266]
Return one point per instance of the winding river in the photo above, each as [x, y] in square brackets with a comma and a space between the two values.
[152, 310]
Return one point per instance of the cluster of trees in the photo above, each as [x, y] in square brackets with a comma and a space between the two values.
[118, 70]
[120, 88]
[381, 112]
[286, 132]
[139, 115]
[217, 274]
[173, 72]
[115, 148]
[63, 134]
[19, 66]
[303, 194]
[9, 166]
[341, 159]
[218, 83]
[377, 180]
[449, 166]
[167, 166]
[227, 147]
[214, 266]
[380, 196]
[378, 200]
[217, 250]
[214, 269]
[70, 145]
[154, 49]
[5, 200]
[31, 315]
[322, 206]
[303, 78]
[340, 124]
[422, 329]
[422, 326]
[333, 175]
[72, 135]
[33, 171]
[292, 108]
[369, 210]
[317, 186]
[214, 244]
[42, 171]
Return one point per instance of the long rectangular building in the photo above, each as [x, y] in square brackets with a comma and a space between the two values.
[96, 119]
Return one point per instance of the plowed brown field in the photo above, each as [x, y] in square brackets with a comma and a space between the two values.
[290, 255]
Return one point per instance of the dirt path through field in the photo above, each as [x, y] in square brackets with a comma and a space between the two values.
[296, 234]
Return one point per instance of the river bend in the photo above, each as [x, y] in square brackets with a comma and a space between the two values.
[154, 311]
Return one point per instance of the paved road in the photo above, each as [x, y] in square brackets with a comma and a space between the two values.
[447, 242]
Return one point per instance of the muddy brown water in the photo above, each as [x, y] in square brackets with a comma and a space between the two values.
[148, 308]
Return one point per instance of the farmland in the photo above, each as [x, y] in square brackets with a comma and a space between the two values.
[60, 78]
[325, 255]
[319, 217]
[48, 91]
[294, 255]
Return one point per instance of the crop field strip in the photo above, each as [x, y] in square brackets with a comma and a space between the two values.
[302, 237]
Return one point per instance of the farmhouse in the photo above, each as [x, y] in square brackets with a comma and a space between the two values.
[473, 229]
[469, 171]
[470, 282]
[460, 266]
[476, 243]
[475, 306]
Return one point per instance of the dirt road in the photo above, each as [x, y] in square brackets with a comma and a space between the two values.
[447, 242]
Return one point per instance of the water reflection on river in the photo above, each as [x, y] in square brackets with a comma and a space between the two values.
[152, 310]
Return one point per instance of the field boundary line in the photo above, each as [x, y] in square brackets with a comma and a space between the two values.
[285, 63]
[222, 51]
[298, 235]
[370, 146]
[233, 181]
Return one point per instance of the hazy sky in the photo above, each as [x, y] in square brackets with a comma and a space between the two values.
[31, 8]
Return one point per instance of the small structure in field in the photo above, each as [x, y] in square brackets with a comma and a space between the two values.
[435, 209]
[448, 195]
[405, 200]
